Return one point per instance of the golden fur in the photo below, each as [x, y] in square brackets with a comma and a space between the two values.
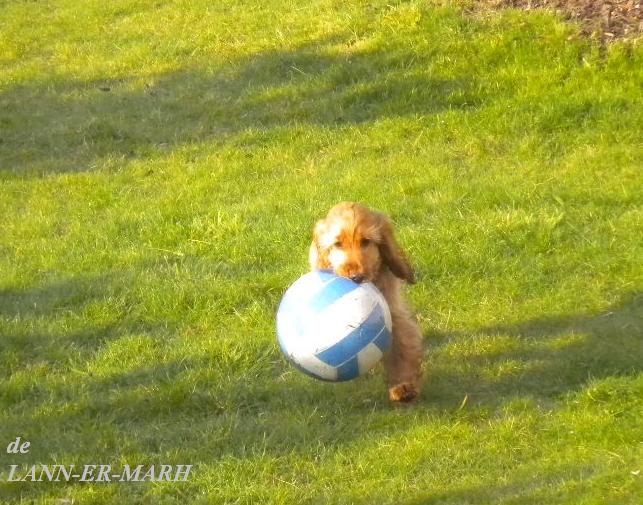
[359, 243]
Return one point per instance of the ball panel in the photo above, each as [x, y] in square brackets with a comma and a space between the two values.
[314, 367]
[331, 292]
[301, 332]
[355, 341]
[295, 310]
[305, 301]
[348, 370]
[369, 356]
[289, 333]
[331, 328]
[338, 320]
[304, 289]
[381, 301]
[383, 340]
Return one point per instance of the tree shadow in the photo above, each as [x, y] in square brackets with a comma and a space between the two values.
[542, 486]
[58, 125]
[27, 316]
[543, 358]
[179, 411]
[45, 336]
[208, 404]
[84, 372]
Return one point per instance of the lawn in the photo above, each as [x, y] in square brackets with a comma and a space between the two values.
[162, 164]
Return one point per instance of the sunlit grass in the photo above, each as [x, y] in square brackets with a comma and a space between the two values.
[161, 167]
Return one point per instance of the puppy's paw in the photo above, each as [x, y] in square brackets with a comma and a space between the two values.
[404, 392]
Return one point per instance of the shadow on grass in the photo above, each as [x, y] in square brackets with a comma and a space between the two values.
[546, 357]
[45, 324]
[28, 336]
[59, 125]
[253, 406]
[540, 488]
[53, 338]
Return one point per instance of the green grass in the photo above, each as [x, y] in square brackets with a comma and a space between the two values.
[161, 167]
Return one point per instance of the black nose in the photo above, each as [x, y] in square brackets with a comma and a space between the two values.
[358, 278]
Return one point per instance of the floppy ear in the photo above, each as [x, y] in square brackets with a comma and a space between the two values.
[317, 257]
[394, 258]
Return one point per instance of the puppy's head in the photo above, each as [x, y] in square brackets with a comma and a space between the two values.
[359, 244]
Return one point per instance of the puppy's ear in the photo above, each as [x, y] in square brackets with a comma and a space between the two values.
[317, 256]
[393, 257]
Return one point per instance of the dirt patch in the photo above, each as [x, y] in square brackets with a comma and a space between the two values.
[610, 19]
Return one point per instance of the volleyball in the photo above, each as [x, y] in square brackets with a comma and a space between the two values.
[332, 328]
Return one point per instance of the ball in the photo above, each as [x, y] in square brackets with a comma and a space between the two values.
[332, 328]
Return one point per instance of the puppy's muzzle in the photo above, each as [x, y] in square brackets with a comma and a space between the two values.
[358, 278]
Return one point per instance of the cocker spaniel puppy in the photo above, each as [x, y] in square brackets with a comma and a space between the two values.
[358, 243]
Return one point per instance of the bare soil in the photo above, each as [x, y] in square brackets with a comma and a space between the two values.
[608, 18]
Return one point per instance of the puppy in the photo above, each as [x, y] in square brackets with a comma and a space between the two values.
[358, 243]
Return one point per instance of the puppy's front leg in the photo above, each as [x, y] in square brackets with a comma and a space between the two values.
[404, 360]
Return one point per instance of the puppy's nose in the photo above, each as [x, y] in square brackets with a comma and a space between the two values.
[358, 278]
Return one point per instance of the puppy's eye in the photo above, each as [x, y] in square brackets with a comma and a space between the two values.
[365, 242]
[337, 244]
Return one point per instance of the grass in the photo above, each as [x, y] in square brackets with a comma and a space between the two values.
[161, 166]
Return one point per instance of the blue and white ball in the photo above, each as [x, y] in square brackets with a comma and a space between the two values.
[332, 328]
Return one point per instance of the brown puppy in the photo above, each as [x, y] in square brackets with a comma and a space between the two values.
[358, 243]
